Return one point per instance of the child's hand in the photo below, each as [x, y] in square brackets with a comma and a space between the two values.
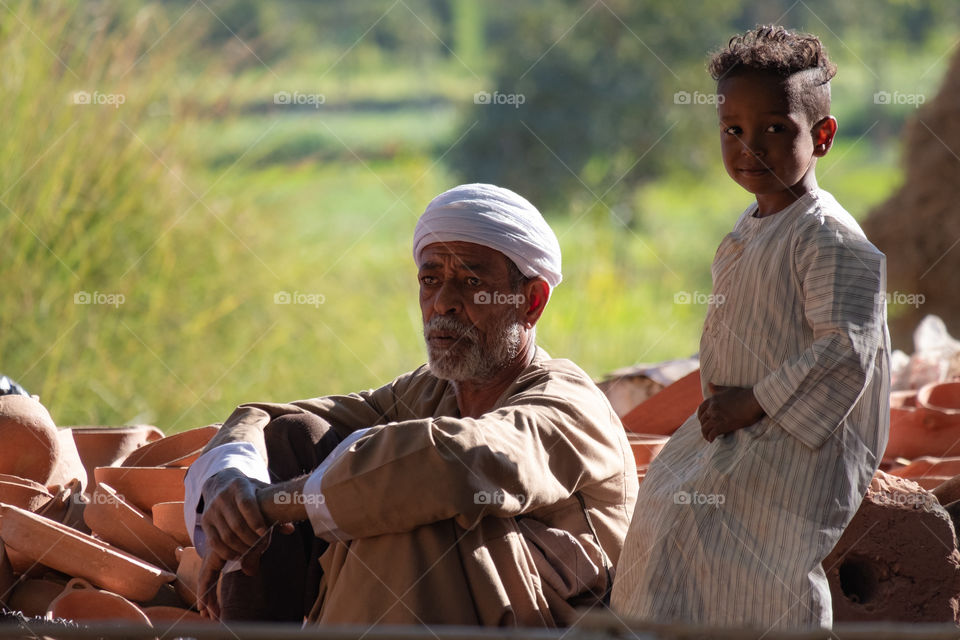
[728, 409]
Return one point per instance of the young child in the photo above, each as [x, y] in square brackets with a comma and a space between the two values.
[746, 500]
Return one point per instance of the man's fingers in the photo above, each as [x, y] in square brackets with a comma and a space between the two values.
[207, 601]
[249, 510]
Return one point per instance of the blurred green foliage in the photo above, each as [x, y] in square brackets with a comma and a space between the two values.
[201, 198]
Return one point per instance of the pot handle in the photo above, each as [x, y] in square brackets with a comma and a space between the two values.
[77, 584]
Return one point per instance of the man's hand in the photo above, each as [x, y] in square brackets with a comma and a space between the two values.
[728, 409]
[232, 521]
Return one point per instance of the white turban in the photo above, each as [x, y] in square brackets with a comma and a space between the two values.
[494, 217]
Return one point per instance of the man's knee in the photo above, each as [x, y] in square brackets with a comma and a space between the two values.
[297, 443]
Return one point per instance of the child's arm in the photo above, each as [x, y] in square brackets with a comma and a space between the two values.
[728, 409]
[843, 278]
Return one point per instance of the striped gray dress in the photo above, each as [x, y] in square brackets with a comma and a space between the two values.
[734, 532]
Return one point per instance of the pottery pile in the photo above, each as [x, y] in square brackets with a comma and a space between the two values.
[91, 519]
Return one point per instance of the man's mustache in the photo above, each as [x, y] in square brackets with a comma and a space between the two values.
[444, 325]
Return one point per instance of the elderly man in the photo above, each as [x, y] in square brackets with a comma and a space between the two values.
[492, 487]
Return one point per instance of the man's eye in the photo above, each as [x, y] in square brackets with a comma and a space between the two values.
[428, 280]
[473, 282]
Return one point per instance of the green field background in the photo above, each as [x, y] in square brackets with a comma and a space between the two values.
[199, 200]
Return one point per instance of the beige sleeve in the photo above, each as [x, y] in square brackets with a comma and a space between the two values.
[345, 414]
[541, 446]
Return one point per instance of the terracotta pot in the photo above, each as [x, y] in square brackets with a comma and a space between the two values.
[942, 396]
[188, 574]
[903, 398]
[80, 600]
[919, 431]
[930, 482]
[664, 412]
[646, 447]
[7, 579]
[113, 519]
[24, 493]
[108, 446]
[928, 466]
[144, 487]
[31, 447]
[69, 466]
[79, 555]
[948, 491]
[166, 615]
[178, 450]
[67, 506]
[33, 596]
[168, 516]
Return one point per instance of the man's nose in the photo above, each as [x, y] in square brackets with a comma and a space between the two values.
[449, 299]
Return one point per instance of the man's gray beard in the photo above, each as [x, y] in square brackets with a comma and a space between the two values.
[468, 359]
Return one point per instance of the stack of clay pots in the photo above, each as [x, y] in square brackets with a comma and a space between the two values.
[924, 443]
[91, 519]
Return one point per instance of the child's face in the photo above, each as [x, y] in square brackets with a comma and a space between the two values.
[769, 146]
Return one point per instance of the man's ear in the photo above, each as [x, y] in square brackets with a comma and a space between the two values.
[536, 294]
[823, 134]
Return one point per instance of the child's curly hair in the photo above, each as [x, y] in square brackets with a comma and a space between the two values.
[786, 53]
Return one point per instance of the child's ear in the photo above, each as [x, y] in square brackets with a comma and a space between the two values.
[823, 133]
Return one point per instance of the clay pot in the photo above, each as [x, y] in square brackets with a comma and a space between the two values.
[930, 482]
[645, 446]
[69, 466]
[948, 491]
[31, 447]
[110, 517]
[928, 466]
[168, 615]
[178, 450]
[903, 398]
[69, 551]
[24, 493]
[188, 574]
[920, 431]
[7, 579]
[664, 412]
[942, 396]
[33, 596]
[80, 600]
[108, 446]
[168, 517]
[144, 487]
[67, 506]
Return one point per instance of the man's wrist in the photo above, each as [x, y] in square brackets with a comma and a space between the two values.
[283, 502]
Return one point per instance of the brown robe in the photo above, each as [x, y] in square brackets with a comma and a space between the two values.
[513, 518]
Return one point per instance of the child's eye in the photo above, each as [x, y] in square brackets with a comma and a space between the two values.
[775, 128]
[732, 131]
